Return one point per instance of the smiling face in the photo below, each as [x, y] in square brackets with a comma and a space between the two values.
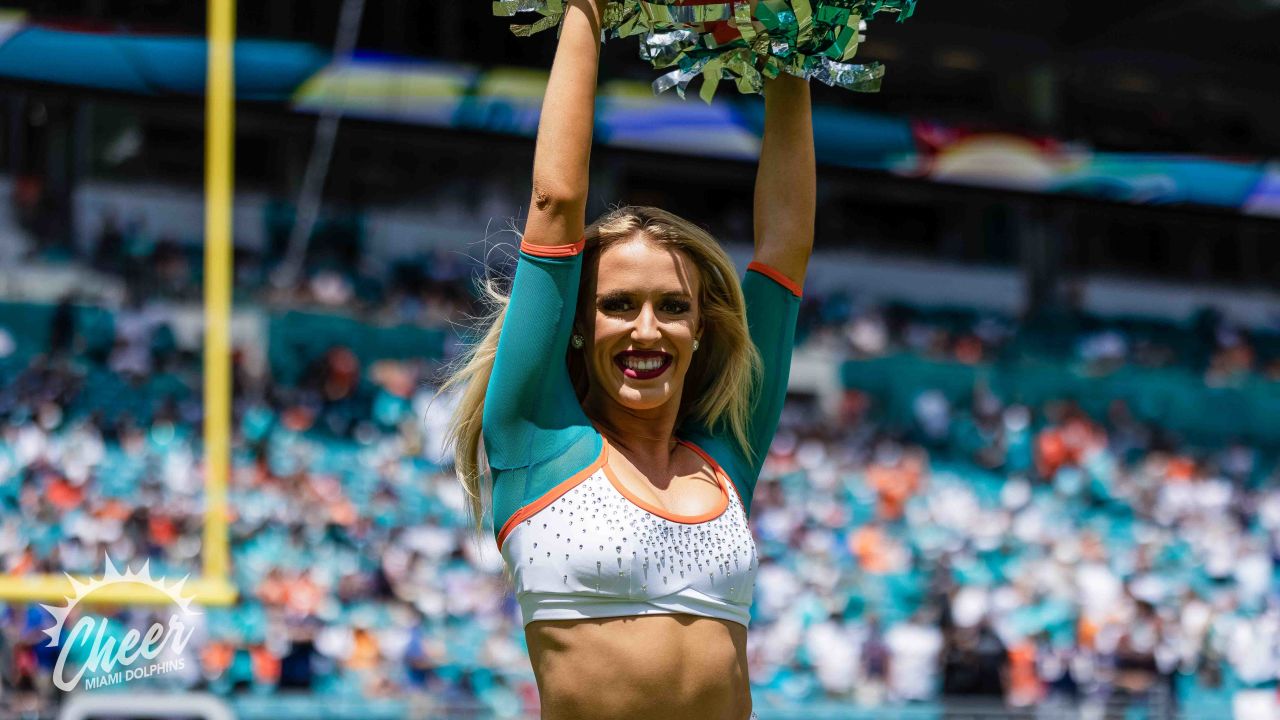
[646, 316]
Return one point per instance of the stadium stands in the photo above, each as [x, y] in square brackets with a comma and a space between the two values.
[1001, 509]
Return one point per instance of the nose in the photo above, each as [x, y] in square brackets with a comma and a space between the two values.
[646, 328]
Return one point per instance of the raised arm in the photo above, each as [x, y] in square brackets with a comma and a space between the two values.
[557, 209]
[785, 200]
[530, 410]
[786, 179]
[784, 216]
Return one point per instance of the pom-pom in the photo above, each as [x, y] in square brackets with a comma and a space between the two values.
[740, 41]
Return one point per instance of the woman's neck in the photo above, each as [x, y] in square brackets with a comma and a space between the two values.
[647, 437]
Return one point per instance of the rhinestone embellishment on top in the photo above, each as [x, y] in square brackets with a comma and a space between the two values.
[621, 550]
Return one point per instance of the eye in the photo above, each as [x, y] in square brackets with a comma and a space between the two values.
[676, 307]
[614, 304]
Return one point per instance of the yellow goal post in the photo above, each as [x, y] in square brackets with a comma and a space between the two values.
[213, 587]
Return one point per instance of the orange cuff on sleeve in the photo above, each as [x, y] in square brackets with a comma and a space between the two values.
[775, 275]
[552, 250]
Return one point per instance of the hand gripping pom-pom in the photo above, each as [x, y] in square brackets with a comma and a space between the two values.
[740, 40]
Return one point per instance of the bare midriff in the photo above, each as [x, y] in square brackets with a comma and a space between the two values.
[675, 667]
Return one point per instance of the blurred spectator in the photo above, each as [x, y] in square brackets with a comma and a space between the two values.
[975, 543]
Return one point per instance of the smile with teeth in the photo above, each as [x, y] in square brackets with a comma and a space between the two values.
[642, 365]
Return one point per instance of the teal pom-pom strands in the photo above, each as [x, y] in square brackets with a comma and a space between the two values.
[742, 41]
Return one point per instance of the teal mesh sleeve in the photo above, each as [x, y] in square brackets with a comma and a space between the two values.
[535, 432]
[772, 311]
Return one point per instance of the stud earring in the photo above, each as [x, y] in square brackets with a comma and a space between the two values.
[576, 341]
[695, 344]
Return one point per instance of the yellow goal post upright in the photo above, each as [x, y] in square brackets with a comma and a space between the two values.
[213, 587]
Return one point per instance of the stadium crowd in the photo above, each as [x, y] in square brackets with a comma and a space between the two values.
[988, 548]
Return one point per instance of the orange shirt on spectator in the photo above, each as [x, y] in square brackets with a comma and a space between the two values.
[266, 666]
[868, 545]
[216, 657]
[894, 486]
[364, 651]
[1024, 684]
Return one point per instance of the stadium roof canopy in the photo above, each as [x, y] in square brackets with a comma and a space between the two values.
[508, 100]
[265, 69]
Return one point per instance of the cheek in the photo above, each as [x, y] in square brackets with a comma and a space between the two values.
[608, 329]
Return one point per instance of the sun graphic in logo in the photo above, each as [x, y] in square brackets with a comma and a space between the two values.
[114, 577]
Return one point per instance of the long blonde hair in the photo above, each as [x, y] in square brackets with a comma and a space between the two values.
[722, 376]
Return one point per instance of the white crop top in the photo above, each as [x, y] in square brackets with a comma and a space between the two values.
[589, 548]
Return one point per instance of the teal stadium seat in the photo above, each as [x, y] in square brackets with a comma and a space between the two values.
[297, 338]
[28, 323]
[1176, 398]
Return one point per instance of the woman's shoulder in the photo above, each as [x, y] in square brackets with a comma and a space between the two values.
[723, 451]
[535, 444]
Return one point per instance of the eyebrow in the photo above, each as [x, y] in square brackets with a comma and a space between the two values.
[627, 294]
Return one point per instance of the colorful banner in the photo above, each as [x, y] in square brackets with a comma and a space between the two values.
[1037, 164]
[1265, 198]
[150, 65]
[428, 93]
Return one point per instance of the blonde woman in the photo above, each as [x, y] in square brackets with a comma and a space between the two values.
[626, 392]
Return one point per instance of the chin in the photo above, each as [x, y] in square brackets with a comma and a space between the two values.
[641, 401]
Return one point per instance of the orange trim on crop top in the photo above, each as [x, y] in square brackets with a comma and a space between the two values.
[552, 495]
[721, 480]
[553, 251]
[715, 465]
[776, 275]
[602, 462]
